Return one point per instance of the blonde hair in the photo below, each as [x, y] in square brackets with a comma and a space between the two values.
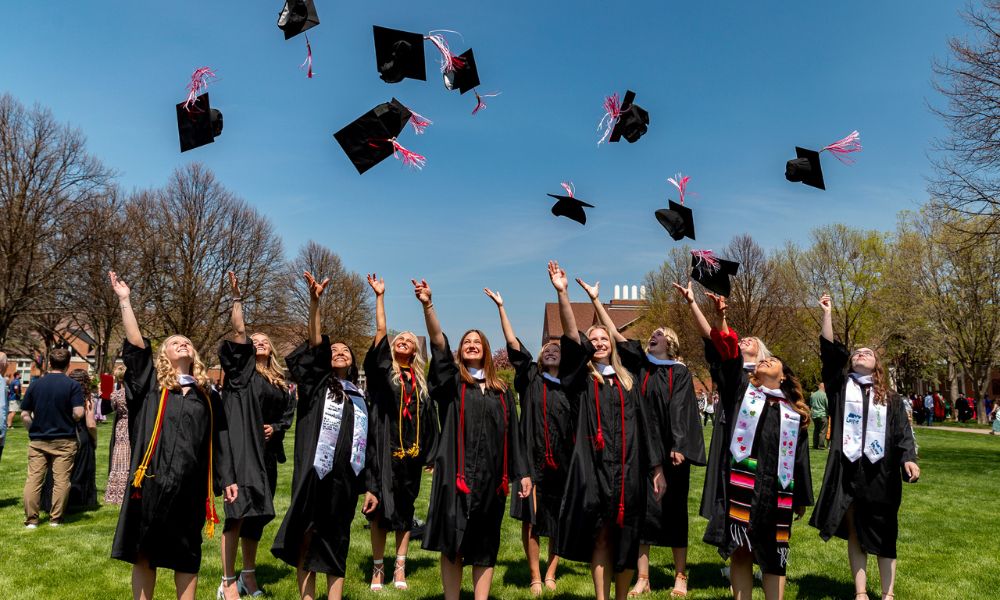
[493, 382]
[271, 370]
[762, 351]
[538, 362]
[623, 375]
[119, 373]
[673, 341]
[166, 376]
[418, 364]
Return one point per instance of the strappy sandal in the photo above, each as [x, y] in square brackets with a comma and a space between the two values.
[552, 587]
[220, 594]
[889, 597]
[377, 571]
[536, 588]
[675, 593]
[400, 568]
[241, 587]
[861, 596]
[641, 587]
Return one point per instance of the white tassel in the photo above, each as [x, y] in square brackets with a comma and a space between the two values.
[783, 556]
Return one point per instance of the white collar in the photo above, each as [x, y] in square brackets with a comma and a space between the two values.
[551, 378]
[185, 379]
[603, 369]
[861, 379]
[663, 362]
[773, 393]
[477, 374]
[749, 367]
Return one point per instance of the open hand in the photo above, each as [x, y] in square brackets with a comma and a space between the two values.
[594, 291]
[315, 288]
[119, 286]
[378, 285]
[422, 291]
[495, 296]
[719, 301]
[234, 283]
[558, 276]
[686, 292]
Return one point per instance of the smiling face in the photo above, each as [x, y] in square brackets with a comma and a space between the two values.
[550, 355]
[261, 345]
[768, 368]
[601, 341]
[863, 361]
[404, 346]
[749, 348]
[341, 356]
[471, 350]
[179, 350]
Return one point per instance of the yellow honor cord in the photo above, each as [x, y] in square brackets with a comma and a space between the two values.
[211, 516]
[140, 473]
[414, 449]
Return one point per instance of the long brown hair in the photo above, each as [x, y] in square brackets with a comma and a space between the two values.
[879, 388]
[493, 382]
[271, 370]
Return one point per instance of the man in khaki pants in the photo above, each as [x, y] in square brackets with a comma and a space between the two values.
[50, 410]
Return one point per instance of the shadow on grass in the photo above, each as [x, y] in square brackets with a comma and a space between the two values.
[5, 502]
[817, 587]
[270, 574]
[699, 574]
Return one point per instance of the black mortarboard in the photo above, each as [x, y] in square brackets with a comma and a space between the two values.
[714, 279]
[297, 16]
[198, 124]
[805, 168]
[678, 220]
[571, 208]
[465, 77]
[632, 122]
[366, 139]
[399, 54]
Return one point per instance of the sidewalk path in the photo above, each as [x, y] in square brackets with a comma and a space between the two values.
[962, 429]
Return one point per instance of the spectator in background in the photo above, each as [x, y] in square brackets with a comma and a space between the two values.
[929, 409]
[710, 406]
[83, 484]
[996, 420]
[817, 404]
[121, 450]
[987, 406]
[51, 408]
[4, 403]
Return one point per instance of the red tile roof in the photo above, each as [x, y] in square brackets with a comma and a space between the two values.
[624, 314]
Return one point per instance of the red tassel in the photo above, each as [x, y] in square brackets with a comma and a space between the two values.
[621, 515]
[460, 484]
[599, 440]
[308, 62]
[680, 182]
[504, 487]
[841, 148]
[550, 462]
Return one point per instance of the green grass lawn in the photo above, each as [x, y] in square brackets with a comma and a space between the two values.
[948, 544]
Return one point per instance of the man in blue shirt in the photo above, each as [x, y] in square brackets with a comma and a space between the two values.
[50, 409]
[4, 402]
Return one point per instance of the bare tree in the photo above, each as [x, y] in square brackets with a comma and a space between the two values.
[347, 305]
[189, 235]
[48, 183]
[967, 158]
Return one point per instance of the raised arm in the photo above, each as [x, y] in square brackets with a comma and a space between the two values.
[566, 316]
[423, 293]
[378, 286]
[826, 303]
[699, 319]
[720, 310]
[315, 291]
[508, 330]
[132, 333]
[594, 292]
[239, 326]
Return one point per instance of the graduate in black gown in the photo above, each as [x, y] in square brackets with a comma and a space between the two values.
[177, 430]
[477, 455]
[760, 478]
[333, 459]
[871, 454]
[615, 453]
[258, 411]
[547, 424]
[668, 391]
[404, 423]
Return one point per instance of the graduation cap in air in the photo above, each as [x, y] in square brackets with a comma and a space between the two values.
[625, 119]
[806, 168]
[198, 123]
[713, 273]
[677, 219]
[399, 54]
[297, 16]
[371, 138]
[570, 206]
[465, 76]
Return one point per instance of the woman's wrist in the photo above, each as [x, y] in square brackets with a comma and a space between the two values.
[428, 306]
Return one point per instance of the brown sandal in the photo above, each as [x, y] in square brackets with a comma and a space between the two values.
[675, 593]
[641, 587]
[552, 587]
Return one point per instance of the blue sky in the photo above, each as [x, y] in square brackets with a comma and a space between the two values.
[731, 88]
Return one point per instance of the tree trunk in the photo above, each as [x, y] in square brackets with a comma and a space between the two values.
[954, 373]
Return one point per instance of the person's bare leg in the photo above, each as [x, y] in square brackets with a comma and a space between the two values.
[600, 565]
[230, 542]
[531, 550]
[680, 569]
[451, 577]
[887, 575]
[642, 581]
[741, 574]
[402, 547]
[774, 587]
[622, 581]
[482, 580]
[550, 571]
[334, 587]
[307, 584]
[856, 557]
[143, 580]
[187, 585]
[249, 564]
[378, 536]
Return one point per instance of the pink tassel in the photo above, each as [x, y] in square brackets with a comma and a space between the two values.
[460, 484]
[480, 103]
[449, 62]
[568, 187]
[612, 110]
[408, 157]
[841, 148]
[419, 122]
[680, 182]
[197, 85]
[706, 257]
[309, 59]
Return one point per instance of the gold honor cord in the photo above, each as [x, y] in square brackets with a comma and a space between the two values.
[414, 450]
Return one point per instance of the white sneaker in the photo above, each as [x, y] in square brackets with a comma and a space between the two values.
[31, 526]
[55, 524]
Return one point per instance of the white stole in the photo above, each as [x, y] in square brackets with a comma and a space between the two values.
[329, 433]
[747, 419]
[873, 431]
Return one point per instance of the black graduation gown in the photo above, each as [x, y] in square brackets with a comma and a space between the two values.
[541, 509]
[321, 510]
[83, 487]
[249, 399]
[594, 482]
[733, 383]
[876, 490]
[400, 477]
[163, 519]
[721, 434]
[669, 396]
[468, 525]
